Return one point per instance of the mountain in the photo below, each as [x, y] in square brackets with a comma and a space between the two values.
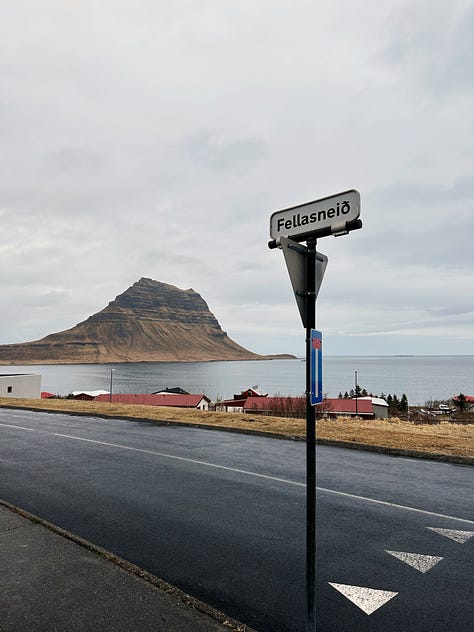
[149, 322]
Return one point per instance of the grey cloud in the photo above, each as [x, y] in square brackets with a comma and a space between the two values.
[210, 149]
[457, 310]
[409, 224]
[152, 141]
[75, 159]
[432, 45]
[402, 195]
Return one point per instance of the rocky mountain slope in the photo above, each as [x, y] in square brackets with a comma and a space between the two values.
[149, 322]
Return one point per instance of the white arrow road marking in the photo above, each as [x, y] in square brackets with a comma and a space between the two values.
[422, 563]
[367, 599]
[453, 534]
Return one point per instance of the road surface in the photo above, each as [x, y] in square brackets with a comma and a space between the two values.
[222, 516]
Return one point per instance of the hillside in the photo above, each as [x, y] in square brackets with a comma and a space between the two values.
[150, 322]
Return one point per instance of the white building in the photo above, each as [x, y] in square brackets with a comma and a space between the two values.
[20, 385]
[379, 405]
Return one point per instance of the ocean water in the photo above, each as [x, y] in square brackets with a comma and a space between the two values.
[421, 378]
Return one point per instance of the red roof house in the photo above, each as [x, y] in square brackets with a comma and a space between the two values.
[336, 407]
[296, 406]
[253, 391]
[342, 407]
[469, 402]
[276, 405]
[199, 401]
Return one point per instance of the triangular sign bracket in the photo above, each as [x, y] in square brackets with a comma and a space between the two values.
[295, 259]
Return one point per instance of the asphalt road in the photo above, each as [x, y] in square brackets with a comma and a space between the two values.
[222, 516]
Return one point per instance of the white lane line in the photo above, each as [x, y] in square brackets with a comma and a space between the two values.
[422, 563]
[457, 536]
[249, 473]
[367, 599]
[394, 505]
[18, 427]
[187, 460]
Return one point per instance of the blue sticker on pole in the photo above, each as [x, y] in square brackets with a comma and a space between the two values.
[316, 367]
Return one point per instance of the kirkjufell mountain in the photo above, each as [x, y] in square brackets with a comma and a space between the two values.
[149, 322]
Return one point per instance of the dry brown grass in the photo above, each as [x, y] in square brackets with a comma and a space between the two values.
[445, 438]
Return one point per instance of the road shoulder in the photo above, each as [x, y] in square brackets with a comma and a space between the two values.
[53, 580]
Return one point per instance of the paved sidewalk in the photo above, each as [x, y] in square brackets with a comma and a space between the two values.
[49, 583]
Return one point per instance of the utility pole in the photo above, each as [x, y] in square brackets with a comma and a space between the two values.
[110, 392]
[356, 390]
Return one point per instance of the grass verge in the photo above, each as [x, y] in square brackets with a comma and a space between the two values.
[445, 439]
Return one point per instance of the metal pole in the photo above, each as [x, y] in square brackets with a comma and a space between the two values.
[310, 442]
[110, 394]
[355, 379]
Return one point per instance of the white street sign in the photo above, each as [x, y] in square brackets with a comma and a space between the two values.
[330, 212]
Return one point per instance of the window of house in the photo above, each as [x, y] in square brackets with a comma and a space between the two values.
[9, 389]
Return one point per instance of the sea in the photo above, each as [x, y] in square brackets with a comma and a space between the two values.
[421, 378]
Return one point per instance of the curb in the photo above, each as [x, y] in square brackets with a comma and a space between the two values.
[157, 582]
[416, 454]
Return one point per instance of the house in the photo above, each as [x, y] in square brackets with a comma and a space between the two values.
[88, 395]
[236, 405]
[231, 405]
[189, 400]
[26, 385]
[469, 403]
[287, 406]
[379, 405]
[344, 407]
[296, 407]
[254, 391]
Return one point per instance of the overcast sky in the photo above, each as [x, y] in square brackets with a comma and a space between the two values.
[155, 138]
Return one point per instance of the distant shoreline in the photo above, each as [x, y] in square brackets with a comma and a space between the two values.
[282, 356]
[261, 358]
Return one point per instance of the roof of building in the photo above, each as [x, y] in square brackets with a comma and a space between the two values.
[376, 401]
[468, 398]
[342, 405]
[335, 405]
[90, 393]
[257, 392]
[272, 403]
[16, 374]
[163, 399]
[232, 402]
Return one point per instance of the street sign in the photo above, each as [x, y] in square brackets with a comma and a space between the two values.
[334, 215]
[329, 213]
[295, 257]
[316, 366]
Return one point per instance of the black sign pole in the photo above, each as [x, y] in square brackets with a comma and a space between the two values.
[310, 442]
[309, 322]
